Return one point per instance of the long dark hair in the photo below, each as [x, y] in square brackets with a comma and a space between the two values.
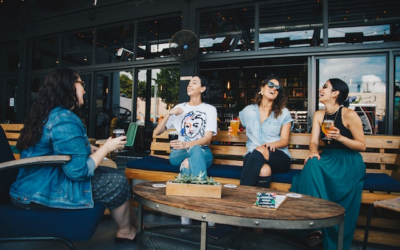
[58, 90]
[205, 96]
[343, 89]
[279, 102]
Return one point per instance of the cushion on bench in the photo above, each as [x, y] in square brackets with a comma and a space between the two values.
[372, 181]
[381, 182]
[155, 163]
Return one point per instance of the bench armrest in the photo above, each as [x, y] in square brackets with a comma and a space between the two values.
[40, 160]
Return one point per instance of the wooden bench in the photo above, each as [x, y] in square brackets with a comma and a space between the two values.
[12, 133]
[381, 157]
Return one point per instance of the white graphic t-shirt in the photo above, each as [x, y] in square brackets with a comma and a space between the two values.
[194, 121]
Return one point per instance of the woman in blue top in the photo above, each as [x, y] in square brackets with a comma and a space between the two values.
[337, 174]
[268, 124]
[53, 129]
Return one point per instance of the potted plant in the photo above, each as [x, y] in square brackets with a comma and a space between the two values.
[190, 185]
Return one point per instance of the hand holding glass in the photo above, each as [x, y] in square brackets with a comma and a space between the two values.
[117, 133]
[327, 125]
[172, 135]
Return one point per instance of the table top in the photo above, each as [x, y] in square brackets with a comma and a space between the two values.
[238, 203]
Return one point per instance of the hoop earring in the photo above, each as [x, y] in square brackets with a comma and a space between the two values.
[260, 93]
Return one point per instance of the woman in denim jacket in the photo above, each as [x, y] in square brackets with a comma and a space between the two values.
[53, 129]
[268, 124]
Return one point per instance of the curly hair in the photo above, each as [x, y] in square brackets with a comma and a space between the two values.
[58, 90]
[279, 102]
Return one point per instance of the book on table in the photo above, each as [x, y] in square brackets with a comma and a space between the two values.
[269, 200]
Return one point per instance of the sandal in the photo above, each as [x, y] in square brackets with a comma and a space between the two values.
[315, 238]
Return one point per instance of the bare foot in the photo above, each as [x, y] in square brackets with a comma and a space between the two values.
[125, 234]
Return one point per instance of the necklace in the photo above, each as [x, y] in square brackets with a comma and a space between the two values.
[333, 112]
[326, 118]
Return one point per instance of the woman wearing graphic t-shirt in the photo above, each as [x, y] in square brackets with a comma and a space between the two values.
[196, 123]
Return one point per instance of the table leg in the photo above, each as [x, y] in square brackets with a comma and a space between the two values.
[140, 217]
[340, 235]
[203, 241]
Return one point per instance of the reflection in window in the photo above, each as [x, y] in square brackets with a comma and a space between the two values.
[115, 44]
[227, 30]
[369, 22]
[396, 118]
[77, 49]
[154, 36]
[366, 77]
[45, 53]
[290, 24]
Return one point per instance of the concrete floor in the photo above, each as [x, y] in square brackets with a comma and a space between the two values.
[103, 238]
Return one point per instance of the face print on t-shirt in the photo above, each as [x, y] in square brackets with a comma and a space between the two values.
[193, 125]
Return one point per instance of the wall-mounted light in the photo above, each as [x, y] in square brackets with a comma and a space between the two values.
[85, 58]
[228, 85]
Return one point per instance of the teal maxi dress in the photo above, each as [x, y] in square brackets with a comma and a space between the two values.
[337, 177]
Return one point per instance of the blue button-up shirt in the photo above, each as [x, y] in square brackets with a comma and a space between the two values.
[268, 131]
[66, 186]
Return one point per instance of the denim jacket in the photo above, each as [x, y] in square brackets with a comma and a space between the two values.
[268, 131]
[66, 186]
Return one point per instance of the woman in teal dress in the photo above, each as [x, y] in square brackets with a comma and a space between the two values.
[336, 174]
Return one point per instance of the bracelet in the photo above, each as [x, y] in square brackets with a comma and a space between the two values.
[313, 151]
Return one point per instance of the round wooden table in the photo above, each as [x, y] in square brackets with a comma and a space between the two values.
[236, 208]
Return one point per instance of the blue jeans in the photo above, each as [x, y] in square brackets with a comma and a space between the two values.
[200, 158]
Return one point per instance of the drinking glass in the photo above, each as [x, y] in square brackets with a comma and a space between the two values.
[326, 126]
[117, 133]
[172, 135]
[235, 128]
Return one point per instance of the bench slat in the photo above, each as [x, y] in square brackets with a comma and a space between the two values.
[228, 150]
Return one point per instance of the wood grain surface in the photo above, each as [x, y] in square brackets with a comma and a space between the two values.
[239, 202]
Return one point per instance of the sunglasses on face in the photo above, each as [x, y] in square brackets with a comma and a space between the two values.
[82, 83]
[272, 85]
[325, 86]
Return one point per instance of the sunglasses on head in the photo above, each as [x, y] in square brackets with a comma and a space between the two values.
[325, 86]
[272, 85]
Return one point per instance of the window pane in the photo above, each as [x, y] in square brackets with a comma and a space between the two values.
[77, 49]
[227, 30]
[9, 57]
[45, 53]
[10, 103]
[154, 37]
[371, 21]
[396, 120]
[115, 44]
[366, 78]
[290, 24]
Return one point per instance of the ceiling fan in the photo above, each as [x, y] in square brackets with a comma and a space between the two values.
[184, 45]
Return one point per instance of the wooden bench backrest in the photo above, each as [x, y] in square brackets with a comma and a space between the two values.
[381, 152]
[12, 132]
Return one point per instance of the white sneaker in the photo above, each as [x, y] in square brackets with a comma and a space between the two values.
[186, 221]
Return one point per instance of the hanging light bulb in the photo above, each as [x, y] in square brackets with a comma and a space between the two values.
[228, 86]
[57, 62]
[85, 58]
